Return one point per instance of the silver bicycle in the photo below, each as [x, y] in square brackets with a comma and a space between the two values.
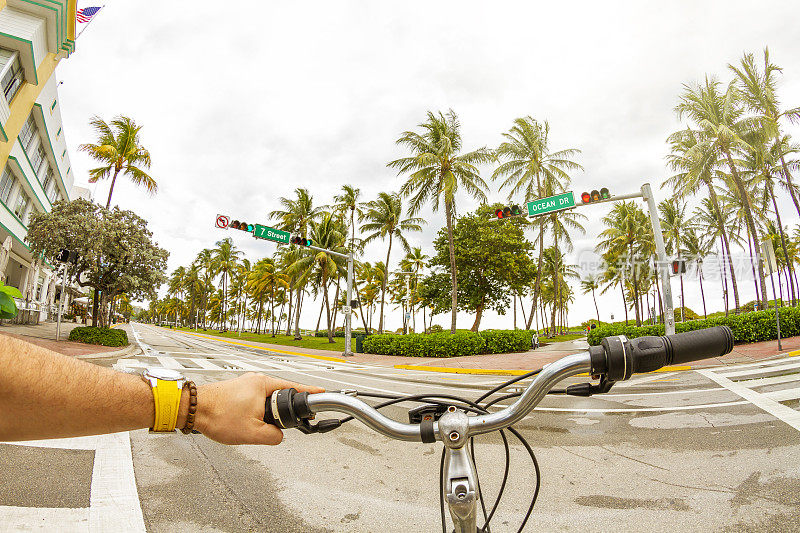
[455, 421]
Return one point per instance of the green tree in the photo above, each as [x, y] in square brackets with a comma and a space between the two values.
[118, 150]
[224, 259]
[116, 252]
[437, 172]
[384, 218]
[590, 284]
[674, 224]
[492, 259]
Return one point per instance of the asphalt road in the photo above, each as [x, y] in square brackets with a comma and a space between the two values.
[713, 450]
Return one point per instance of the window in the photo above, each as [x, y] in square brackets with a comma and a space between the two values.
[6, 184]
[28, 133]
[23, 200]
[49, 185]
[38, 158]
[12, 74]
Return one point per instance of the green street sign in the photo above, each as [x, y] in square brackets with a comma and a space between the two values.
[558, 202]
[271, 234]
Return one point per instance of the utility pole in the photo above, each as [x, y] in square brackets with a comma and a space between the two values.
[666, 289]
[61, 300]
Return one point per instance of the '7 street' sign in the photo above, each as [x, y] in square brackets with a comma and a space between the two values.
[551, 203]
[271, 234]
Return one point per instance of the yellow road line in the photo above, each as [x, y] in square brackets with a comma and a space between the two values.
[504, 372]
[238, 343]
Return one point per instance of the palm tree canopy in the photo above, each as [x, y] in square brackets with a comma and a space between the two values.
[384, 217]
[436, 167]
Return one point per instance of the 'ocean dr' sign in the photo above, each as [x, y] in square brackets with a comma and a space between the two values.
[558, 202]
[271, 234]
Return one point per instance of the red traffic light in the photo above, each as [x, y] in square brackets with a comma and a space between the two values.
[244, 226]
[508, 211]
[679, 266]
[595, 196]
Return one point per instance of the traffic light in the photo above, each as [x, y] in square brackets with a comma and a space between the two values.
[302, 241]
[67, 256]
[508, 212]
[679, 266]
[595, 196]
[244, 226]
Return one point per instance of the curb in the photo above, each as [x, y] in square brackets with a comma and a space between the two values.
[131, 349]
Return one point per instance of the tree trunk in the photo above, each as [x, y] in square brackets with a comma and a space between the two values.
[537, 287]
[328, 314]
[753, 268]
[595, 306]
[783, 244]
[289, 312]
[702, 292]
[635, 290]
[727, 248]
[624, 303]
[111, 190]
[383, 283]
[750, 224]
[297, 335]
[258, 317]
[448, 208]
[478, 315]
[788, 178]
[319, 317]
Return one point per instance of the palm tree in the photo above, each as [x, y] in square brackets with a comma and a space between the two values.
[697, 249]
[759, 92]
[321, 265]
[696, 164]
[589, 284]
[205, 260]
[224, 259]
[437, 172]
[721, 120]
[414, 261]
[348, 201]
[628, 228]
[118, 150]
[529, 166]
[264, 281]
[384, 218]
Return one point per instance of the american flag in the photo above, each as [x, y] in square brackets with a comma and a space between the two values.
[86, 14]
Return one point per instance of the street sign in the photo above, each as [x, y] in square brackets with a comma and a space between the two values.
[271, 234]
[550, 204]
[223, 221]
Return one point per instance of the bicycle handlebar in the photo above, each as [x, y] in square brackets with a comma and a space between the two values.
[616, 357]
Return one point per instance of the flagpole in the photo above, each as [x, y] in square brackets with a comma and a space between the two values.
[90, 21]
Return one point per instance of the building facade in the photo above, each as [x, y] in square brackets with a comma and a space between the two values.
[36, 172]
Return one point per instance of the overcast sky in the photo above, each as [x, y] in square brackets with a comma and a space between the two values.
[242, 104]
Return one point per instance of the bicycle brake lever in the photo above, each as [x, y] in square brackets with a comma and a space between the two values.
[588, 389]
[323, 426]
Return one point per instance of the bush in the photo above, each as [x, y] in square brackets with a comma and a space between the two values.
[749, 327]
[325, 333]
[447, 345]
[436, 328]
[102, 336]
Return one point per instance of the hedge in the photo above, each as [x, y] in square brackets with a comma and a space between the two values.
[447, 345]
[749, 327]
[102, 336]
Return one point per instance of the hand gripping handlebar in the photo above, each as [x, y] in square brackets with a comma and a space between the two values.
[616, 358]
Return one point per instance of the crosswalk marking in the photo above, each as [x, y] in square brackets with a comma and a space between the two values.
[777, 368]
[169, 362]
[205, 364]
[768, 402]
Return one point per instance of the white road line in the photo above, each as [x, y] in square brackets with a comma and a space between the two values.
[762, 382]
[778, 410]
[736, 372]
[169, 362]
[205, 364]
[769, 362]
[113, 501]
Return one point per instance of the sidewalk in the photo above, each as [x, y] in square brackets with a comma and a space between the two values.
[516, 363]
[44, 335]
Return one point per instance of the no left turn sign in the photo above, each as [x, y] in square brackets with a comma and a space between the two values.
[223, 221]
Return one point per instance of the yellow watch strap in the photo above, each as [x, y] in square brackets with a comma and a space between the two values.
[167, 396]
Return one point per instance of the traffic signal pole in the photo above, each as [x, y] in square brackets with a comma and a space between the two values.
[661, 264]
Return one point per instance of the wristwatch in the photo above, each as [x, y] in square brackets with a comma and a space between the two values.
[167, 385]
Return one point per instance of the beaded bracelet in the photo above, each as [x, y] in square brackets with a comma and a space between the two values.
[192, 408]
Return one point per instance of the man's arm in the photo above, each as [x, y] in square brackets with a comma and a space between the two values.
[48, 395]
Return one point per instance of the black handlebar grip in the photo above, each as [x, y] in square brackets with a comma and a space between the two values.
[620, 358]
[699, 344]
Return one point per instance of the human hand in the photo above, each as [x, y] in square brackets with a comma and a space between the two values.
[232, 411]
